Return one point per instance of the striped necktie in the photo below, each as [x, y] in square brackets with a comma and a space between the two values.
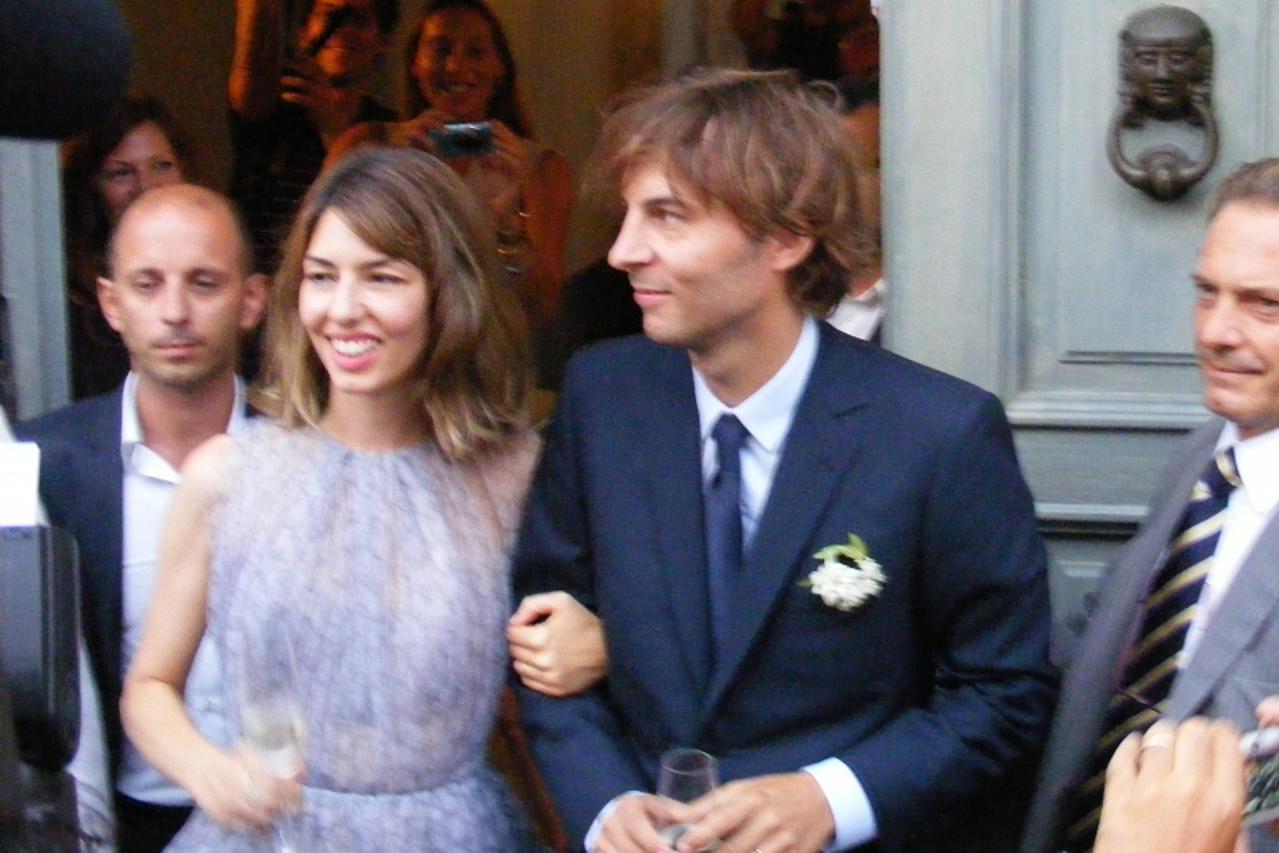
[1154, 660]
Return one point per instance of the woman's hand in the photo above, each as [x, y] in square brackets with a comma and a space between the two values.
[236, 790]
[329, 107]
[1174, 790]
[1268, 712]
[510, 156]
[416, 132]
[557, 645]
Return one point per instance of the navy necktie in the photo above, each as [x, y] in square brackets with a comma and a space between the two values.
[724, 524]
[1154, 660]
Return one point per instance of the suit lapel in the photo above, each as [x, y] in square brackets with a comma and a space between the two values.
[105, 467]
[818, 449]
[1096, 669]
[673, 475]
[1246, 606]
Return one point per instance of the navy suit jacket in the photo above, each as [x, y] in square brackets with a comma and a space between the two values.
[82, 486]
[934, 692]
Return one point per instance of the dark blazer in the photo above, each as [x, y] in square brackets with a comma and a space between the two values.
[82, 486]
[933, 692]
[1235, 666]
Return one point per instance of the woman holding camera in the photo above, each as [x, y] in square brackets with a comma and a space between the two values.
[464, 107]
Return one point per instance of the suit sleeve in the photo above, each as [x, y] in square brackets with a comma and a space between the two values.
[577, 741]
[982, 596]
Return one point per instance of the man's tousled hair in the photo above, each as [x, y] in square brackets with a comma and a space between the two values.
[762, 145]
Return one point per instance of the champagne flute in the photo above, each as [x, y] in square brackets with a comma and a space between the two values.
[686, 775]
[271, 720]
[273, 729]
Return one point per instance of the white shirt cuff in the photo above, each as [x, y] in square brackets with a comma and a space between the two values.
[597, 825]
[854, 818]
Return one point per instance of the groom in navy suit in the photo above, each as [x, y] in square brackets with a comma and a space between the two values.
[876, 695]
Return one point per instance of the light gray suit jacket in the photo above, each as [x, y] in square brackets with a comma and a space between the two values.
[1235, 666]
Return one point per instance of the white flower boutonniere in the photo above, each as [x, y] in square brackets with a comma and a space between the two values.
[847, 577]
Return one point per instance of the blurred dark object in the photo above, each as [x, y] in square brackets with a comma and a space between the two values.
[39, 690]
[511, 754]
[821, 39]
[63, 65]
[8, 394]
[597, 303]
[39, 621]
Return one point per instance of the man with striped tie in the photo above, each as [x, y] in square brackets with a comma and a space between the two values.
[1188, 618]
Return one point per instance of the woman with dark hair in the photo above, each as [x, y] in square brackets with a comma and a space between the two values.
[138, 147]
[460, 71]
[350, 553]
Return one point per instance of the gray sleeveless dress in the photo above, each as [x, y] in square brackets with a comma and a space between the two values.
[374, 586]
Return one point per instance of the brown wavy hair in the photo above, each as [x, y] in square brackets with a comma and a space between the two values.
[473, 379]
[762, 145]
[86, 221]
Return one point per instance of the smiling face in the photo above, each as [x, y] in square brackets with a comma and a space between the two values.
[179, 294]
[700, 280]
[144, 159]
[365, 313]
[1237, 316]
[457, 66]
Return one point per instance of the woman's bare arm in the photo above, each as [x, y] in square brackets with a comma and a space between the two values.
[254, 84]
[232, 788]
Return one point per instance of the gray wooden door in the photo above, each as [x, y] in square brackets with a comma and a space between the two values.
[1019, 260]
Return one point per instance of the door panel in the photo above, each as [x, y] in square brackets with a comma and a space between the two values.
[1018, 259]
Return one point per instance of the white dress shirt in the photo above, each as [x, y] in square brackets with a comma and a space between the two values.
[767, 415]
[149, 485]
[1248, 511]
[860, 315]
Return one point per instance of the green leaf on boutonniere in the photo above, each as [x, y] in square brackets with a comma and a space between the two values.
[854, 552]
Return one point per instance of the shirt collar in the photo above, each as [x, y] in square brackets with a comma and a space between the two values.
[767, 413]
[1257, 459]
[872, 296]
[131, 426]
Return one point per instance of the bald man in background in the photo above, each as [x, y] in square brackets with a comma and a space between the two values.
[182, 295]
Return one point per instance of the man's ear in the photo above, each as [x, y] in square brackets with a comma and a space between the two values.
[789, 250]
[255, 299]
[107, 301]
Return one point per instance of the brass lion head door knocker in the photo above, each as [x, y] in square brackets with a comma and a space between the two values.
[1165, 75]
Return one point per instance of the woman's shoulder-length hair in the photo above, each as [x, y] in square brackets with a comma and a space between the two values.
[474, 376]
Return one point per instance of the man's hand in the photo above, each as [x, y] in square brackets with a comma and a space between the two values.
[1175, 790]
[634, 826]
[785, 813]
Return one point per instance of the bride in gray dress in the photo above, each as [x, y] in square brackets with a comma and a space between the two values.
[349, 553]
